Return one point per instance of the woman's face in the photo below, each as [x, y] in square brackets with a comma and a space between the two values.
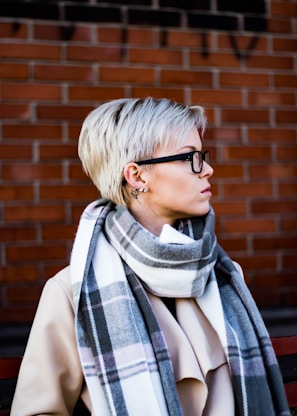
[174, 191]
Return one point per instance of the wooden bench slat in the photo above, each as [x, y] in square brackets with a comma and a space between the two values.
[291, 392]
[285, 345]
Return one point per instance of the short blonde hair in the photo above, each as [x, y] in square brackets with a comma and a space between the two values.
[125, 130]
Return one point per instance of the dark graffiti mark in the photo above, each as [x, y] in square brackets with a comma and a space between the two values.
[232, 16]
[67, 32]
[204, 46]
[243, 54]
[16, 27]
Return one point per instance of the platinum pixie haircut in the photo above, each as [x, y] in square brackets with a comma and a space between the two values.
[125, 130]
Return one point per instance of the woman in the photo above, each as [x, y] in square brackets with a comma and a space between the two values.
[151, 317]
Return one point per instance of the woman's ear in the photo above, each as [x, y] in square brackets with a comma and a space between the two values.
[133, 175]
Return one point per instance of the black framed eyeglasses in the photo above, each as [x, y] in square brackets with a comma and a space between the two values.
[196, 158]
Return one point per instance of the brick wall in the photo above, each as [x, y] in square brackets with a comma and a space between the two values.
[61, 59]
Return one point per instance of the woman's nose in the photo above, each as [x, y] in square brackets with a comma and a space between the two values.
[207, 170]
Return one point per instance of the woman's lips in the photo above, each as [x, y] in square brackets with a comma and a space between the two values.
[207, 191]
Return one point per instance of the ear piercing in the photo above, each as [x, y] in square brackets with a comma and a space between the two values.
[135, 192]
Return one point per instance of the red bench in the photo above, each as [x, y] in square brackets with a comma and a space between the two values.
[285, 349]
[286, 352]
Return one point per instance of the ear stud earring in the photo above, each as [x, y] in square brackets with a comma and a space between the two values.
[135, 192]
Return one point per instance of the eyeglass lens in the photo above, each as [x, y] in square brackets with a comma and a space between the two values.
[198, 159]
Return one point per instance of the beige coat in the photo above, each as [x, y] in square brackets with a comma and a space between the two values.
[51, 378]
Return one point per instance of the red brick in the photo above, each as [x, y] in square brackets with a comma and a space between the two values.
[270, 243]
[278, 25]
[88, 93]
[215, 97]
[267, 297]
[17, 314]
[77, 172]
[243, 43]
[227, 171]
[275, 280]
[224, 208]
[15, 111]
[246, 153]
[288, 297]
[110, 34]
[225, 134]
[63, 112]
[257, 262]
[210, 114]
[214, 60]
[270, 62]
[11, 151]
[36, 252]
[289, 224]
[214, 188]
[10, 70]
[268, 98]
[248, 189]
[239, 79]
[139, 36]
[25, 172]
[64, 72]
[155, 56]
[31, 51]
[245, 116]
[7, 30]
[67, 192]
[288, 189]
[189, 39]
[287, 152]
[253, 225]
[94, 53]
[20, 91]
[285, 44]
[233, 244]
[285, 80]
[126, 74]
[43, 213]
[172, 76]
[276, 207]
[16, 193]
[55, 32]
[77, 210]
[136, 36]
[274, 134]
[19, 273]
[17, 233]
[23, 294]
[59, 232]
[290, 261]
[275, 171]
[286, 116]
[171, 93]
[32, 131]
[74, 130]
[51, 270]
[283, 8]
[252, 141]
[59, 152]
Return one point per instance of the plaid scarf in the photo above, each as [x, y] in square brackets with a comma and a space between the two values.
[121, 346]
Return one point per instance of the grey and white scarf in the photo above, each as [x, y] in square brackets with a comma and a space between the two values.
[121, 346]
